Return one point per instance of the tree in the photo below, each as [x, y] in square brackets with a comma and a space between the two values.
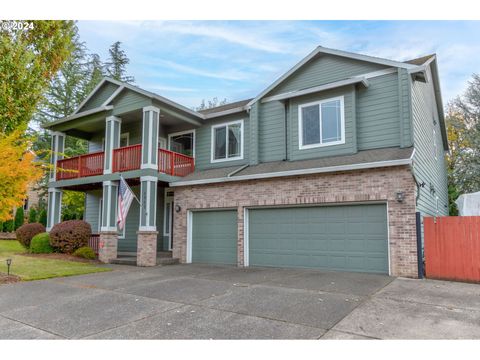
[9, 225]
[17, 171]
[211, 104]
[117, 63]
[29, 59]
[32, 215]
[19, 217]
[42, 218]
[463, 127]
[96, 73]
[73, 205]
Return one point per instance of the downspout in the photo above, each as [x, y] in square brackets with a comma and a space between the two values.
[285, 123]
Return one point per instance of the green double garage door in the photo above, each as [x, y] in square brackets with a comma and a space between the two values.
[345, 238]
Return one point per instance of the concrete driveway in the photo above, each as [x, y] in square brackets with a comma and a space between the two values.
[215, 302]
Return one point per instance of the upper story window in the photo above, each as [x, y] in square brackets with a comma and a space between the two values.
[182, 142]
[321, 123]
[227, 141]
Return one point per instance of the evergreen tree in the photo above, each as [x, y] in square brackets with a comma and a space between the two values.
[19, 217]
[117, 63]
[32, 215]
[42, 218]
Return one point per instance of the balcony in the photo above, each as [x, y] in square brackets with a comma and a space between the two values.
[126, 158]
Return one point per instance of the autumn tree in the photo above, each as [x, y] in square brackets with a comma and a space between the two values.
[17, 170]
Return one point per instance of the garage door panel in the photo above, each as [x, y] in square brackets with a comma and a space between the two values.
[214, 237]
[348, 237]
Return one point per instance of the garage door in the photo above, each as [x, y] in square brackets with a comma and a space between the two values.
[348, 238]
[214, 237]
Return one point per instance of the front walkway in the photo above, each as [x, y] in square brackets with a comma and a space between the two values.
[203, 302]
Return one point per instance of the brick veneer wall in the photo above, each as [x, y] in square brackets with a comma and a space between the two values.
[343, 187]
[147, 248]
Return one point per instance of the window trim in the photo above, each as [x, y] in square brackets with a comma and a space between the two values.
[169, 141]
[123, 135]
[319, 103]
[212, 142]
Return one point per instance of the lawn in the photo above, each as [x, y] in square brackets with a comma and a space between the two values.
[35, 268]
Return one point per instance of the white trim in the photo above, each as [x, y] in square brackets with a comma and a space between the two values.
[147, 228]
[95, 89]
[100, 211]
[151, 108]
[226, 112]
[246, 238]
[388, 241]
[319, 104]
[164, 140]
[147, 145]
[148, 178]
[147, 203]
[212, 141]
[326, 169]
[188, 259]
[182, 133]
[114, 95]
[378, 73]
[329, 86]
[324, 50]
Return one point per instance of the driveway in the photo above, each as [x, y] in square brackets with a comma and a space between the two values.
[219, 302]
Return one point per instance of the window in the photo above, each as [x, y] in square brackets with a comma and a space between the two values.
[182, 142]
[321, 123]
[227, 141]
[124, 140]
[25, 204]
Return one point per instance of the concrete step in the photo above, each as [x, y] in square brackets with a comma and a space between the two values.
[167, 261]
[125, 260]
[162, 259]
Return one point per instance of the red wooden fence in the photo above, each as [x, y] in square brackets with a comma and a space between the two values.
[80, 166]
[127, 158]
[452, 248]
[172, 163]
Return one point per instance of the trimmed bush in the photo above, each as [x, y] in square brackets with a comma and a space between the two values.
[40, 244]
[70, 235]
[85, 252]
[19, 217]
[42, 218]
[32, 216]
[26, 232]
[8, 226]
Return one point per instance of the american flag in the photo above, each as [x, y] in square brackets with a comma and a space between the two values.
[125, 198]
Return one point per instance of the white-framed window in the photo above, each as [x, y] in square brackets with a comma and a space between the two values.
[227, 141]
[321, 123]
[182, 142]
[124, 140]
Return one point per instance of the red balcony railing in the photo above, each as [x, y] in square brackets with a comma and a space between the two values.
[80, 166]
[124, 159]
[175, 164]
[127, 158]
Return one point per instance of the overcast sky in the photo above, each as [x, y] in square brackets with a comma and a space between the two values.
[190, 61]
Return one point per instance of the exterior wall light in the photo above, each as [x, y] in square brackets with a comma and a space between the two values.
[178, 208]
[400, 196]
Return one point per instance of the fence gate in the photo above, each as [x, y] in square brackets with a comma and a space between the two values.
[452, 248]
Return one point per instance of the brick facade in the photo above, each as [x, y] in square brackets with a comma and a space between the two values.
[107, 246]
[363, 186]
[147, 248]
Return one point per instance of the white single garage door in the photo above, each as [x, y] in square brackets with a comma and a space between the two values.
[344, 237]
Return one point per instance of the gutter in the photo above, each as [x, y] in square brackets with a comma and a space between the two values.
[77, 115]
[321, 170]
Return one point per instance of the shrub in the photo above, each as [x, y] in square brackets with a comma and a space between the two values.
[26, 232]
[9, 226]
[32, 215]
[19, 217]
[40, 244]
[70, 235]
[85, 252]
[42, 218]
[1, 226]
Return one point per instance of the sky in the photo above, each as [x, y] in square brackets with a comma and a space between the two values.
[187, 61]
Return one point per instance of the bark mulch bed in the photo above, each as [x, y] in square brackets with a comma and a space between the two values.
[8, 279]
[65, 257]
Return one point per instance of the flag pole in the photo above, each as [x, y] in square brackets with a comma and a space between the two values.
[134, 196]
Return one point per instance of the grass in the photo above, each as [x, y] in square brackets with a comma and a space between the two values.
[31, 268]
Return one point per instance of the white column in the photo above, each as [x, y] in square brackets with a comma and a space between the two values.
[112, 141]
[150, 137]
[54, 213]
[109, 206]
[148, 198]
[57, 148]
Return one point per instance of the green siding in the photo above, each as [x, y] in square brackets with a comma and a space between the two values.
[129, 101]
[324, 69]
[214, 237]
[347, 238]
[203, 143]
[348, 148]
[271, 136]
[100, 96]
[378, 113]
[426, 168]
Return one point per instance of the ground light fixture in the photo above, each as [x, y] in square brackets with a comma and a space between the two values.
[9, 262]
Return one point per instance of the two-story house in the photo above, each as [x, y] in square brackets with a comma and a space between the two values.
[326, 168]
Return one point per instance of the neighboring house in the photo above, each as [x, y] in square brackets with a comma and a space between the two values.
[326, 168]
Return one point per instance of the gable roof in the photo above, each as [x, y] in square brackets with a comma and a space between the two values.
[226, 107]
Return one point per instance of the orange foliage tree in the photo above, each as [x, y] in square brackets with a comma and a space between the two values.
[17, 170]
